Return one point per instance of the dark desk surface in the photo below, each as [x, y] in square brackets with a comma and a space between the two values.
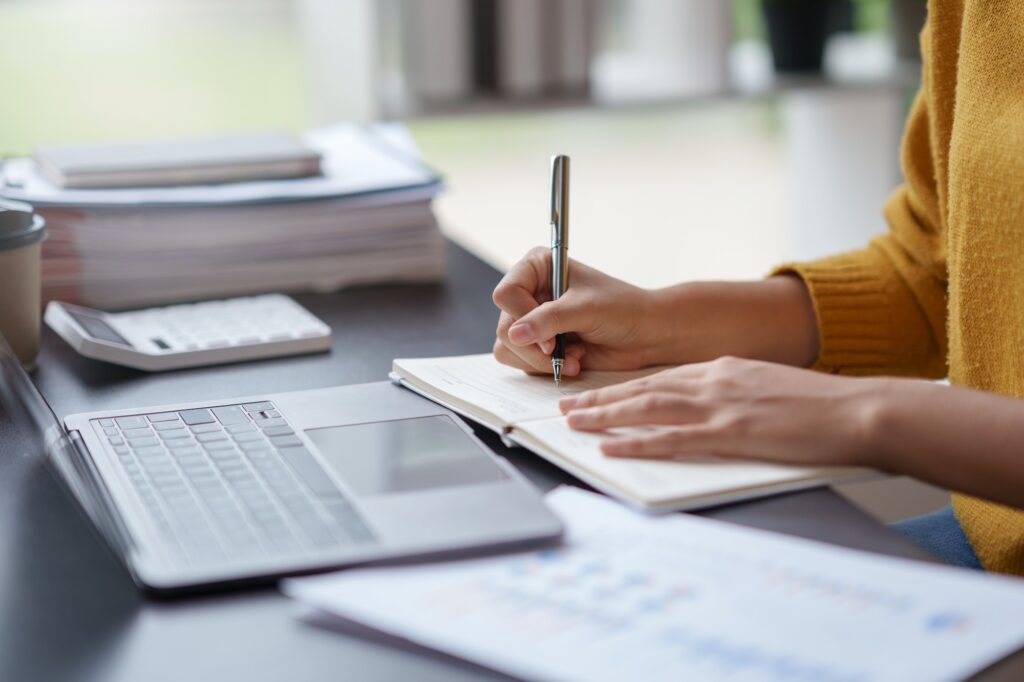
[68, 610]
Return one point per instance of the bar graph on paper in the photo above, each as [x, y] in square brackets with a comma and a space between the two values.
[687, 599]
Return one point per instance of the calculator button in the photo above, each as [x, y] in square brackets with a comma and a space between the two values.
[106, 423]
[169, 426]
[239, 428]
[267, 423]
[163, 417]
[111, 431]
[206, 428]
[131, 422]
[258, 407]
[200, 416]
[278, 431]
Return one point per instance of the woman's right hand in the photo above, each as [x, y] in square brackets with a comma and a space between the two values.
[610, 324]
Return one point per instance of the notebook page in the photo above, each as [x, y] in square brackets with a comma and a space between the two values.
[684, 598]
[658, 482]
[509, 394]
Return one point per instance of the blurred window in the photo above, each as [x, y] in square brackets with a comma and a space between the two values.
[96, 70]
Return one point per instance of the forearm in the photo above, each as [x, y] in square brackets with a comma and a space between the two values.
[958, 438]
[769, 320]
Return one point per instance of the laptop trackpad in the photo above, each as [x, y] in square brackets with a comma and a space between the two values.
[403, 455]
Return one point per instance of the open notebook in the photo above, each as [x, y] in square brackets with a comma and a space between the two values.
[525, 409]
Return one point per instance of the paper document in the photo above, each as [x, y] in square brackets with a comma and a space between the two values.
[630, 597]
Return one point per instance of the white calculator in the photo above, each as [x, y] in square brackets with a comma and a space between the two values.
[193, 334]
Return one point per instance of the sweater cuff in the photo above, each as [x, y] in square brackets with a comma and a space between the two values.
[853, 304]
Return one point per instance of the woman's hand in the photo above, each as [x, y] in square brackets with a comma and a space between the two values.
[611, 324]
[614, 325]
[736, 408]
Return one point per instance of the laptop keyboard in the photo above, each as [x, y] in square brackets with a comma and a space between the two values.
[232, 482]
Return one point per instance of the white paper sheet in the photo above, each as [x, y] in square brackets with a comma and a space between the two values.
[683, 598]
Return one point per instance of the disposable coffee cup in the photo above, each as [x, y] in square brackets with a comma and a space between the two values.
[21, 236]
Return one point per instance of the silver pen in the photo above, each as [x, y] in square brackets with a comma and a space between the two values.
[559, 248]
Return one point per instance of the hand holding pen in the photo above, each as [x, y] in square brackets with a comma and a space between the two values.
[601, 323]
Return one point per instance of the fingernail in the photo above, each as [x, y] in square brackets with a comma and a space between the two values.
[566, 403]
[581, 418]
[614, 447]
[520, 333]
[547, 346]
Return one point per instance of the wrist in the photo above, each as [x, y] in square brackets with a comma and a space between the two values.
[875, 409]
[770, 320]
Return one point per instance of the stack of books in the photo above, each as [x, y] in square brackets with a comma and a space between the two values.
[365, 217]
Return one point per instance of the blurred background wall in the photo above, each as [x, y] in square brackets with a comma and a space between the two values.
[734, 135]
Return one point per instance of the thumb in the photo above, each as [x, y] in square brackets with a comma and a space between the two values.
[546, 320]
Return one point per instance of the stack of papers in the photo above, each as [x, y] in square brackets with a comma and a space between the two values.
[366, 219]
[629, 597]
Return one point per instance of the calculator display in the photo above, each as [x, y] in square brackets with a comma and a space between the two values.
[97, 328]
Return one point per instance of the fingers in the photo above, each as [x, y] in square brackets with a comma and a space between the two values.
[538, 358]
[648, 408]
[570, 368]
[571, 313]
[603, 396]
[664, 443]
[526, 284]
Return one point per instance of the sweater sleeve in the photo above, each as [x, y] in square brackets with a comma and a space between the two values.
[882, 309]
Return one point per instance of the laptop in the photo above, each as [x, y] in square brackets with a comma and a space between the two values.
[221, 492]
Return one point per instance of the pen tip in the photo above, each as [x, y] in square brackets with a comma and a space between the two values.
[558, 375]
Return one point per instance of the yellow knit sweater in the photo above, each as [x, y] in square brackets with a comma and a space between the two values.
[943, 291]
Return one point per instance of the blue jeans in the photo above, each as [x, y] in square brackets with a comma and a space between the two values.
[940, 534]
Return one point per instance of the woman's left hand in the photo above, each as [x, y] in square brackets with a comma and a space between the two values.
[735, 408]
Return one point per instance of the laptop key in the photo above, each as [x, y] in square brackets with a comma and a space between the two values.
[239, 428]
[248, 437]
[257, 407]
[131, 422]
[231, 415]
[206, 427]
[137, 433]
[219, 445]
[143, 442]
[267, 423]
[169, 425]
[174, 434]
[308, 469]
[278, 431]
[163, 417]
[198, 416]
[285, 441]
[210, 437]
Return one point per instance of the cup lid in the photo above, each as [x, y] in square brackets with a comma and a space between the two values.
[19, 226]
